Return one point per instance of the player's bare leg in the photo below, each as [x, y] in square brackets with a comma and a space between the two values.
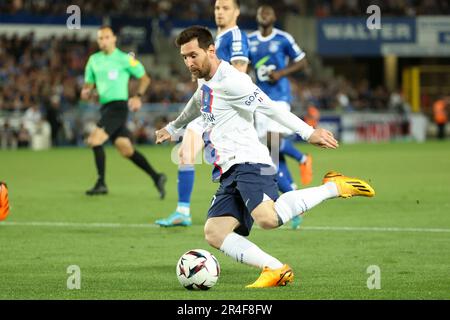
[270, 214]
[220, 234]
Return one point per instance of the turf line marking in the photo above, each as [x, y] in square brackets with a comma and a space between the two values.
[141, 226]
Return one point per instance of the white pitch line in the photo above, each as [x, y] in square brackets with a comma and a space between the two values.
[375, 229]
[75, 224]
[149, 225]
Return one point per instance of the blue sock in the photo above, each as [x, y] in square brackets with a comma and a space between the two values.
[186, 174]
[282, 167]
[287, 148]
[284, 183]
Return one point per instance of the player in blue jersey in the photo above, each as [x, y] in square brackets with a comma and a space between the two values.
[231, 43]
[270, 49]
[231, 46]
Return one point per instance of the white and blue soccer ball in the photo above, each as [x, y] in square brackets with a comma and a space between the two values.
[198, 269]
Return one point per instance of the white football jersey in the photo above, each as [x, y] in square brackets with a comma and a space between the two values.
[227, 103]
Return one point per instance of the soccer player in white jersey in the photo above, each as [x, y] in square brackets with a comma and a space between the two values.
[232, 46]
[227, 99]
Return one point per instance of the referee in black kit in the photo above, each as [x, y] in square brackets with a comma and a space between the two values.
[109, 70]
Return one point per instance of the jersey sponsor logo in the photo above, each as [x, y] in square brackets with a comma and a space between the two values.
[113, 74]
[264, 71]
[257, 95]
[208, 117]
[207, 99]
[132, 59]
[274, 46]
[236, 46]
[262, 61]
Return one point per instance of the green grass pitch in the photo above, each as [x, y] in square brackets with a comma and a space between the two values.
[122, 255]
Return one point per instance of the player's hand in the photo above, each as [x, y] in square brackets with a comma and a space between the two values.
[162, 135]
[324, 139]
[135, 103]
[274, 76]
[86, 93]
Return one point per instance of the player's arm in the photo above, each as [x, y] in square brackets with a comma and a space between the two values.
[135, 102]
[189, 113]
[319, 137]
[276, 75]
[136, 69]
[247, 96]
[89, 81]
[295, 54]
[86, 91]
[241, 65]
[240, 52]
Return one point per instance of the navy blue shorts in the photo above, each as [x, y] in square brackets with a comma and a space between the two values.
[241, 190]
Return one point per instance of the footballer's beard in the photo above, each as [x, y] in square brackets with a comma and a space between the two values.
[265, 24]
[224, 24]
[202, 72]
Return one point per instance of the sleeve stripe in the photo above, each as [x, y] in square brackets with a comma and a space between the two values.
[300, 57]
[288, 36]
[237, 35]
[240, 58]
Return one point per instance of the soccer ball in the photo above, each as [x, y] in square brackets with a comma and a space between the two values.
[198, 270]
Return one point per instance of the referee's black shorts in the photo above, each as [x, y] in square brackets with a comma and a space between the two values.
[113, 119]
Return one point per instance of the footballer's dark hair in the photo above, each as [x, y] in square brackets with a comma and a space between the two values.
[202, 34]
[237, 3]
[105, 26]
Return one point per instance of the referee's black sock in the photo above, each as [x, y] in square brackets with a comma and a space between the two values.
[139, 160]
[99, 154]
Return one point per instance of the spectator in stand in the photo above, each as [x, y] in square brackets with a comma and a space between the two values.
[8, 136]
[23, 137]
[440, 115]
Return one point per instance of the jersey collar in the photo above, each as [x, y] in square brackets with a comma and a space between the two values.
[226, 31]
[269, 37]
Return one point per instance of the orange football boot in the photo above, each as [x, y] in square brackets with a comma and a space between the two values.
[306, 173]
[273, 277]
[4, 201]
[349, 187]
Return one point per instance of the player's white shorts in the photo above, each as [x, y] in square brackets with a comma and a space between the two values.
[197, 125]
[264, 124]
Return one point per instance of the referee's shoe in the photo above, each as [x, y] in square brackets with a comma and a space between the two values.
[100, 188]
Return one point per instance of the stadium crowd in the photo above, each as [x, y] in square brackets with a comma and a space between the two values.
[325, 8]
[203, 9]
[44, 78]
[40, 80]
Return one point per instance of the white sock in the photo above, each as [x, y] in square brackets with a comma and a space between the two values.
[184, 209]
[245, 251]
[294, 203]
[303, 159]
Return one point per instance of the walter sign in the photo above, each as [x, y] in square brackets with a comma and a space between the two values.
[351, 36]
